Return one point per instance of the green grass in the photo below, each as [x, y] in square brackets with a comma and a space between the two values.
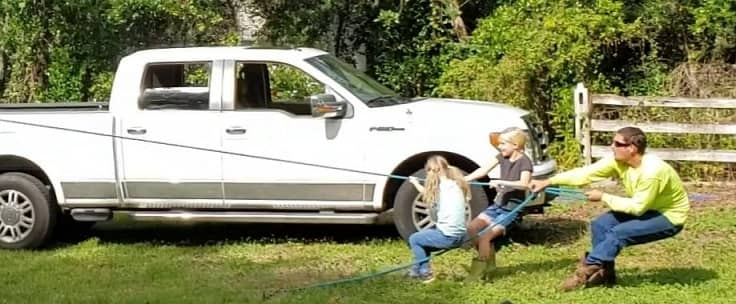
[144, 263]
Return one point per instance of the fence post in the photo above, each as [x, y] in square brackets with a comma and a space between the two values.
[582, 120]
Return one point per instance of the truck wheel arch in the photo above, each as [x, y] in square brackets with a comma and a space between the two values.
[14, 163]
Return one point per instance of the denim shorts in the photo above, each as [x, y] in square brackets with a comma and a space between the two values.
[494, 212]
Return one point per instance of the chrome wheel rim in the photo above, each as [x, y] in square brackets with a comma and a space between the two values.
[17, 216]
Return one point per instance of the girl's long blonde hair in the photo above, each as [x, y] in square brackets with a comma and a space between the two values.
[436, 167]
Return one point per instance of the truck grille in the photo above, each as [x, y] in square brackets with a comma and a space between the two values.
[536, 147]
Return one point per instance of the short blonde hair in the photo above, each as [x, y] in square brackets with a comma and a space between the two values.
[515, 136]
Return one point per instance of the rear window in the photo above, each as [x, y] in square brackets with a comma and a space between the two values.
[180, 86]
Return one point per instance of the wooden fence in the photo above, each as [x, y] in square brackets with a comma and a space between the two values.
[584, 124]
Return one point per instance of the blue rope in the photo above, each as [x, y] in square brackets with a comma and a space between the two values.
[569, 193]
[504, 220]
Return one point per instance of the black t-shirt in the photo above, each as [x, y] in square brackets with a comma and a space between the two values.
[508, 198]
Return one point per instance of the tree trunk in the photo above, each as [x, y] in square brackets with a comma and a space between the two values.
[247, 21]
[458, 25]
[2, 72]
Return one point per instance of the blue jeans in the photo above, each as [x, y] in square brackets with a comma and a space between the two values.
[423, 242]
[612, 231]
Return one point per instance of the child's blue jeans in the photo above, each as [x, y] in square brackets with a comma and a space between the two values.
[423, 242]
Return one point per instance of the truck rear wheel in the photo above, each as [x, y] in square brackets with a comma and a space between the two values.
[26, 215]
[411, 213]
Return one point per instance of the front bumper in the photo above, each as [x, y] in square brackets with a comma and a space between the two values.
[543, 170]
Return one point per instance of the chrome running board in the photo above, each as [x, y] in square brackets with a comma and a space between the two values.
[253, 217]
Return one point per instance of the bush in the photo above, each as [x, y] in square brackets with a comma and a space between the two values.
[531, 53]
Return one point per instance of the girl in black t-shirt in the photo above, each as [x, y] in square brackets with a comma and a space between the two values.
[516, 173]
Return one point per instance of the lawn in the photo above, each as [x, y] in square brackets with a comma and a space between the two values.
[123, 262]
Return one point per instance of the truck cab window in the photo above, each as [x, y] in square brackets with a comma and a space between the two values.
[181, 86]
[274, 86]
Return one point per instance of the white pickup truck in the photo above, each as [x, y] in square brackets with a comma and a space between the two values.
[237, 134]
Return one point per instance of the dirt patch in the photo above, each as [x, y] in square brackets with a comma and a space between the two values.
[548, 230]
[705, 238]
[711, 195]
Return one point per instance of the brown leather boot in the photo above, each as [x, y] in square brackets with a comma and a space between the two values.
[609, 273]
[584, 276]
[581, 263]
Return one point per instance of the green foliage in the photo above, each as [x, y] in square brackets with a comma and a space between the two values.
[197, 75]
[530, 53]
[58, 49]
[302, 23]
[290, 84]
[715, 29]
[22, 34]
[414, 51]
[406, 45]
[64, 82]
[101, 86]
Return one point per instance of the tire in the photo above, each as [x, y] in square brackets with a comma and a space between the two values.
[27, 216]
[412, 215]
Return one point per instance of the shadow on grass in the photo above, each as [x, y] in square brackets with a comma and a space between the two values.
[535, 230]
[668, 276]
[198, 234]
[503, 271]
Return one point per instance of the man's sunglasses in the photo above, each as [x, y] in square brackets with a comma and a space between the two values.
[620, 144]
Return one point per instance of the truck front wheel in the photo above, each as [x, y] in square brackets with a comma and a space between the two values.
[411, 213]
[26, 215]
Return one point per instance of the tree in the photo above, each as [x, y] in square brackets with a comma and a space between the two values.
[67, 50]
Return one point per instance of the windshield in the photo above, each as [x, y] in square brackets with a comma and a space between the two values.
[361, 85]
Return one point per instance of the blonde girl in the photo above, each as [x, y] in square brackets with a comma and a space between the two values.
[447, 193]
[516, 174]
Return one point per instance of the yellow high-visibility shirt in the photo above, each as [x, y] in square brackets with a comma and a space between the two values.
[652, 186]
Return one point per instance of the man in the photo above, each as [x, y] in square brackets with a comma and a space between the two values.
[656, 208]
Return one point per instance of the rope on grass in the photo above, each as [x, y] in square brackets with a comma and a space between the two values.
[504, 219]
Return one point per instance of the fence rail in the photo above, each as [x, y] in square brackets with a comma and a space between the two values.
[585, 125]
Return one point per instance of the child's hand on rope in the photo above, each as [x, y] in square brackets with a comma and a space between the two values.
[415, 181]
[594, 195]
[494, 184]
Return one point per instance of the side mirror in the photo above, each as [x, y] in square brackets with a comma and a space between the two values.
[326, 106]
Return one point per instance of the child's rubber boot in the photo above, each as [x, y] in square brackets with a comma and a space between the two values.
[475, 273]
[490, 269]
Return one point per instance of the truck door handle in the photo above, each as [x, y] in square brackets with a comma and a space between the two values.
[235, 130]
[137, 131]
